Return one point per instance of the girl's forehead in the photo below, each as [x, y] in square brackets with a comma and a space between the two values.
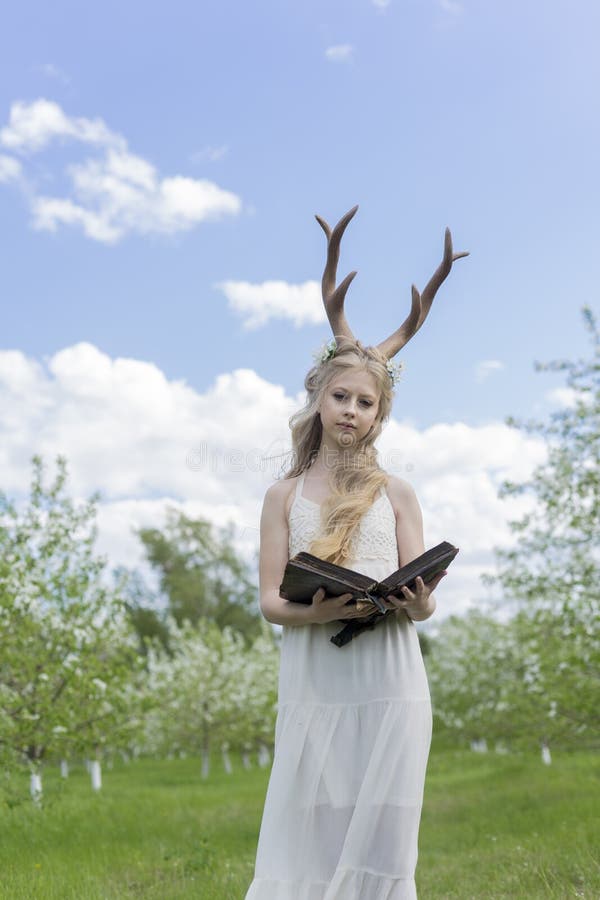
[361, 382]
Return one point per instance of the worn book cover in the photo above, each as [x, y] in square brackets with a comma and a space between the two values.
[304, 574]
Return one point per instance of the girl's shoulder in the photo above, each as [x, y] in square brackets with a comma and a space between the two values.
[398, 484]
[281, 492]
[400, 492]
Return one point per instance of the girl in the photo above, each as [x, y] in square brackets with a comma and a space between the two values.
[353, 730]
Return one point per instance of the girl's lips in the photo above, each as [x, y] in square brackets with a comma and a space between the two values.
[345, 425]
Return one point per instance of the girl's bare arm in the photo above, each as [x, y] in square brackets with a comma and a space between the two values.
[420, 604]
[274, 554]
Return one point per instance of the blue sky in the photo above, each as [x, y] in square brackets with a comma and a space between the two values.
[160, 169]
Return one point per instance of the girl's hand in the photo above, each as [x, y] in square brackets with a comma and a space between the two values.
[325, 608]
[417, 601]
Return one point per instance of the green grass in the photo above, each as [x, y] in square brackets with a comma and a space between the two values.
[492, 827]
[509, 826]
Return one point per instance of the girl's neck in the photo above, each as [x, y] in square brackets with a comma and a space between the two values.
[326, 460]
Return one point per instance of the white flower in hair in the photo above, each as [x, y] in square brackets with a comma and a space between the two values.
[395, 370]
[328, 349]
[325, 351]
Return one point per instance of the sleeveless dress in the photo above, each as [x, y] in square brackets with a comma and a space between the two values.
[352, 737]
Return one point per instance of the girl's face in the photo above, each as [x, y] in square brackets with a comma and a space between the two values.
[352, 398]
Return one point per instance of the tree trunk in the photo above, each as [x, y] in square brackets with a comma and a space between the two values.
[35, 786]
[263, 756]
[205, 762]
[226, 759]
[34, 759]
[546, 757]
[96, 772]
[205, 750]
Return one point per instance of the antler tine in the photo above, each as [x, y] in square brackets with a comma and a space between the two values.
[421, 303]
[333, 298]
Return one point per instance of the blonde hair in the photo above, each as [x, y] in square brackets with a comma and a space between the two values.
[358, 477]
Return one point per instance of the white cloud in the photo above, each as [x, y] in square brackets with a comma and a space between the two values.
[10, 168]
[563, 397]
[34, 125]
[381, 4]
[340, 52]
[116, 194]
[485, 368]
[146, 442]
[302, 304]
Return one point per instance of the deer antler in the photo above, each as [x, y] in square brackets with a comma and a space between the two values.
[333, 297]
[421, 303]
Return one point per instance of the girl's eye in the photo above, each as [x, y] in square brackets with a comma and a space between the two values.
[341, 397]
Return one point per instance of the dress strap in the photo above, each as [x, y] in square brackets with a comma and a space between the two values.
[300, 484]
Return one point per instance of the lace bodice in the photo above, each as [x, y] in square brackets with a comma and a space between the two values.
[375, 538]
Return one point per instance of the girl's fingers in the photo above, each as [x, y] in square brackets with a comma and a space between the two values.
[404, 595]
[404, 591]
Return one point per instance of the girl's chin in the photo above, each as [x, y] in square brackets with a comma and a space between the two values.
[346, 437]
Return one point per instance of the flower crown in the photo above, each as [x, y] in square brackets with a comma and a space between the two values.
[329, 349]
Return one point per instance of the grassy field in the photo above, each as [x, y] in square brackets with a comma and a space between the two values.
[492, 827]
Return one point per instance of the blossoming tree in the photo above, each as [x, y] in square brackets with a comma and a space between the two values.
[529, 676]
[210, 690]
[68, 650]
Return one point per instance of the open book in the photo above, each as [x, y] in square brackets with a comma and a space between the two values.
[304, 574]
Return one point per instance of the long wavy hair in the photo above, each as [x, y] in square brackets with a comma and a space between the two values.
[357, 476]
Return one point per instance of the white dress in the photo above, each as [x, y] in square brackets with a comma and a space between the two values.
[352, 736]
